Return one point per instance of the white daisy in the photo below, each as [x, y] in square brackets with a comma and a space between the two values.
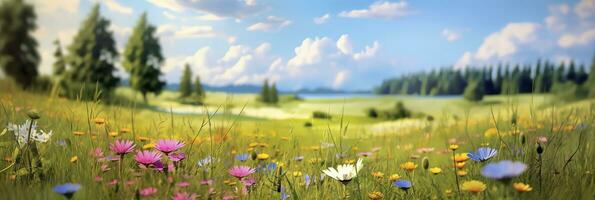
[21, 133]
[344, 173]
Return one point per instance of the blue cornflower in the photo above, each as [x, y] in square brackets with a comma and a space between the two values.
[67, 189]
[482, 154]
[403, 184]
[272, 166]
[505, 169]
[242, 157]
[307, 180]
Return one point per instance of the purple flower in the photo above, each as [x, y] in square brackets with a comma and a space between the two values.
[67, 189]
[505, 169]
[122, 147]
[482, 154]
[242, 157]
[176, 157]
[168, 146]
[147, 157]
[403, 184]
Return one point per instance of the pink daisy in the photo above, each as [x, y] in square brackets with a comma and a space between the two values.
[147, 157]
[241, 171]
[168, 146]
[147, 191]
[122, 147]
[184, 196]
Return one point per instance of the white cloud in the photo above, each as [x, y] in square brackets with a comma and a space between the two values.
[368, 52]
[451, 35]
[570, 40]
[310, 51]
[117, 7]
[220, 8]
[380, 9]
[234, 52]
[344, 45]
[179, 32]
[262, 49]
[464, 61]
[322, 19]
[172, 5]
[210, 17]
[340, 79]
[169, 15]
[232, 39]
[585, 8]
[555, 21]
[270, 24]
[45, 6]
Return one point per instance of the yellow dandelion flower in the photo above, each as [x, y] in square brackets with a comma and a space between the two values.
[460, 165]
[262, 156]
[99, 121]
[349, 161]
[448, 192]
[113, 134]
[491, 132]
[375, 195]
[149, 146]
[521, 187]
[253, 144]
[460, 157]
[78, 133]
[74, 159]
[435, 170]
[462, 173]
[409, 166]
[453, 147]
[473, 186]
[124, 130]
[314, 160]
[394, 177]
[378, 174]
[297, 173]
[143, 139]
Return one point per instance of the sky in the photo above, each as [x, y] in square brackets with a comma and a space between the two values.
[339, 44]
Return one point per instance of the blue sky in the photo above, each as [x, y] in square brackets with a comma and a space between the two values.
[341, 44]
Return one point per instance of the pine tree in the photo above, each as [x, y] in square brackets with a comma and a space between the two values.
[265, 94]
[18, 49]
[559, 74]
[199, 92]
[571, 74]
[474, 91]
[59, 66]
[91, 58]
[143, 59]
[274, 96]
[591, 80]
[539, 79]
[581, 75]
[186, 82]
[548, 76]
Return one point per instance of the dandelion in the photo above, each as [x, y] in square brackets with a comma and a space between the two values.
[453, 147]
[503, 170]
[521, 187]
[403, 184]
[473, 186]
[73, 159]
[262, 156]
[375, 195]
[482, 154]
[241, 171]
[460, 157]
[28, 132]
[409, 166]
[122, 147]
[378, 174]
[460, 165]
[461, 173]
[242, 157]
[99, 121]
[147, 158]
[344, 173]
[297, 173]
[168, 146]
[184, 196]
[394, 177]
[67, 189]
[435, 170]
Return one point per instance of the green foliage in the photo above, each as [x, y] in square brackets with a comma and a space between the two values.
[18, 49]
[91, 59]
[590, 84]
[474, 91]
[569, 91]
[186, 82]
[321, 115]
[372, 113]
[143, 59]
[59, 66]
[274, 96]
[269, 94]
[199, 92]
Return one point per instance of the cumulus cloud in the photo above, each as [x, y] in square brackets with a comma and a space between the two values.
[585, 8]
[322, 19]
[580, 39]
[382, 10]
[44, 6]
[451, 35]
[310, 51]
[368, 52]
[502, 43]
[220, 8]
[344, 45]
[340, 78]
[117, 7]
[271, 23]
[178, 32]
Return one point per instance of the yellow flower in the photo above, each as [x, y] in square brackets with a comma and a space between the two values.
[491, 132]
[349, 161]
[253, 144]
[462, 173]
[448, 192]
[375, 195]
[78, 133]
[143, 139]
[314, 160]
[262, 156]
[394, 177]
[435, 170]
[229, 182]
[113, 134]
[74, 159]
[297, 174]
[521, 187]
[378, 174]
[409, 166]
[460, 157]
[460, 165]
[148, 146]
[99, 121]
[124, 130]
[453, 147]
[473, 186]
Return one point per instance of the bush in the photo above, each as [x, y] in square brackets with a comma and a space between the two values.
[398, 112]
[307, 124]
[320, 115]
[569, 91]
[474, 92]
[372, 113]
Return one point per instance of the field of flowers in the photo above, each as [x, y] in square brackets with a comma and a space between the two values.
[54, 148]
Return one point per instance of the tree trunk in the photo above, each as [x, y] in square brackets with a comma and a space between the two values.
[145, 97]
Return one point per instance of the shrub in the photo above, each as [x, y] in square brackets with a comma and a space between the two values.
[307, 124]
[321, 115]
[474, 92]
[372, 113]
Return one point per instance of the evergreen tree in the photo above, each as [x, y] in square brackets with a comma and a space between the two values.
[198, 90]
[499, 80]
[559, 74]
[581, 75]
[18, 49]
[525, 83]
[91, 58]
[274, 96]
[143, 59]
[186, 82]
[548, 76]
[571, 74]
[59, 66]
[474, 91]
[265, 93]
[591, 80]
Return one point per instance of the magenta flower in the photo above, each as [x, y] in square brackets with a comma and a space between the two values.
[177, 157]
[147, 191]
[147, 157]
[184, 196]
[241, 171]
[122, 147]
[168, 146]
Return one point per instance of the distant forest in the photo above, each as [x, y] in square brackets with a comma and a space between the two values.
[540, 77]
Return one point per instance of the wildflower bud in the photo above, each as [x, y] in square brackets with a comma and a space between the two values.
[523, 139]
[254, 155]
[425, 163]
[33, 114]
[539, 149]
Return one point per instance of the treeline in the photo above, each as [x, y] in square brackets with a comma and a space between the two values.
[269, 93]
[540, 77]
[87, 68]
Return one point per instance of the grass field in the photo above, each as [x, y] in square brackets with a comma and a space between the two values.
[289, 157]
